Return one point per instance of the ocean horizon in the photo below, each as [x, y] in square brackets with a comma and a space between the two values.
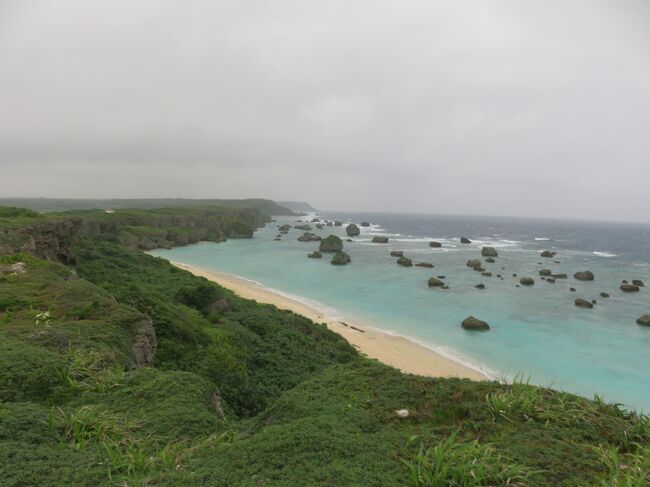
[537, 333]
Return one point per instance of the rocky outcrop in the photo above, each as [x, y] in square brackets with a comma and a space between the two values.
[381, 240]
[629, 288]
[527, 281]
[604, 295]
[220, 306]
[352, 230]
[331, 244]
[305, 228]
[15, 268]
[545, 272]
[480, 286]
[365, 224]
[405, 261]
[474, 324]
[643, 320]
[638, 282]
[144, 344]
[465, 240]
[489, 252]
[584, 276]
[473, 263]
[284, 228]
[435, 282]
[435, 245]
[427, 265]
[308, 237]
[548, 254]
[583, 303]
[559, 276]
[490, 260]
[397, 253]
[341, 258]
[486, 274]
[315, 255]
[338, 223]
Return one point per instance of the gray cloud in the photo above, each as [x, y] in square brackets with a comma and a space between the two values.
[483, 107]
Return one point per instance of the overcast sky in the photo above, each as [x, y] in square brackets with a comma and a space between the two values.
[524, 108]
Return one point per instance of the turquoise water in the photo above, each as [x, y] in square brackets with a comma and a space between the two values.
[536, 332]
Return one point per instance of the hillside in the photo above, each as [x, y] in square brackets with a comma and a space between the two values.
[298, 206]
[47, 205]
[117, 368]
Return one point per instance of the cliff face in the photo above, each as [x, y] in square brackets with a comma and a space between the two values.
[52, 237]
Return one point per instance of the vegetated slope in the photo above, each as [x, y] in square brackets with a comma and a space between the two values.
[267, 207]
[231, 392]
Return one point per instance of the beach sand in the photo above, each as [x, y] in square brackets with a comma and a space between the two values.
[398, 352]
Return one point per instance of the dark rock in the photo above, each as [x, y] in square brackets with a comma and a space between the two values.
[405, 261]
[479, 269]
[584, 276]
[643, 320]
[277, 239]
[144, 344]
[638, 282]
[315, 220]
[624, 281]
[445, 287]
[593, 301]
[440, 277]
[428, 265]
[474, 324]
[545, 272]
[381, 240]
[365, 224]
[220, 306]
[583, 303]
[486, 274]
[331, 244]
[329, 224]
[315, 255]
[490, 260]
[306, 237]
[396, 253]
[559, 276]
[473, 263]
[514, 275]
[305, 228]
[464, 240]
[551, 280]
[338, 223]
[435, 282]
[480, 286]
[435, 245]
[527, 281]
[604, 295]
[341, 258]
[548, 254]
[319, 226]
[629, 288]
[348, 240]
[572, 289]
[284, 228]
[352, 230]
[489, 252]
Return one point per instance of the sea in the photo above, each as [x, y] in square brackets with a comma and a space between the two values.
[536, 333]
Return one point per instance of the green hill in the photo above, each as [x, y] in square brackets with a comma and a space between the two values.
[117, 369]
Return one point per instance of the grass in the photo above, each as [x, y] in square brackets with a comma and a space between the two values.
[454, 463]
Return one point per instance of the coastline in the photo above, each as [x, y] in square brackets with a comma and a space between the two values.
[396, 351]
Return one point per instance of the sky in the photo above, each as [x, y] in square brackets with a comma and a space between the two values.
[486, 107]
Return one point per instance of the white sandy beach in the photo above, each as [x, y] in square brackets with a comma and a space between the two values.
[398, 352]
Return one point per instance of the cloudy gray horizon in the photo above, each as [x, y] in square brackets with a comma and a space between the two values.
[512, 108]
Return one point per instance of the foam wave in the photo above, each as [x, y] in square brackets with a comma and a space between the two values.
[604, 254]
[542, 239]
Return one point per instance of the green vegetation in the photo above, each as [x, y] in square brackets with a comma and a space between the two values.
[232, 392]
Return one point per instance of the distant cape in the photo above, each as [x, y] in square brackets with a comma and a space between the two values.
[299, 206]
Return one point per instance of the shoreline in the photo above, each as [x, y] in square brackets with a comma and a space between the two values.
[394, 350]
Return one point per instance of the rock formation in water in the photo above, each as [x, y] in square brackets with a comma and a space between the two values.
[352, 230]
[584, 276]
[474, 324]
